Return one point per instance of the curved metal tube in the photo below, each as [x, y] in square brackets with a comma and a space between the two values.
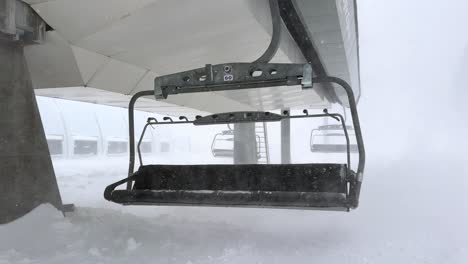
[141, 140]
[276, 33]
[213, 142]
[346, 134]
[131, 131]
[356, 125]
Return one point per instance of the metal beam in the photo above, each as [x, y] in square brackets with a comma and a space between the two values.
[303, 39]
[27, 177]
[286, 139]
[18, 21]
[245, 145]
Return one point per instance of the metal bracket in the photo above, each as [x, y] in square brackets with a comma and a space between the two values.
[18, 21]
[233, 76]
[237, 117]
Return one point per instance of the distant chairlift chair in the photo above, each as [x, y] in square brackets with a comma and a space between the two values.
[223, 145]
[332, 139]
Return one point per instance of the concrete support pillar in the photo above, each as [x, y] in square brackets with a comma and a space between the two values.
[245, 145]
[27, 177]
[286, 140]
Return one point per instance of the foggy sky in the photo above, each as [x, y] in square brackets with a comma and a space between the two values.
[413, 64]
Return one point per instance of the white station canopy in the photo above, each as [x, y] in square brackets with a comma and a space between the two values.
[102, 51]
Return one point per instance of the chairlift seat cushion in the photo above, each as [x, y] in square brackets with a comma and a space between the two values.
[333, 148]
[250, 177]
[223, 152]
[292, 186]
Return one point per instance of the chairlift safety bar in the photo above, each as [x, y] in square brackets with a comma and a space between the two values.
[236, 117]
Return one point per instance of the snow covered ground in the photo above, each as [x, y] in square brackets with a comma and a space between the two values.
[410, 213]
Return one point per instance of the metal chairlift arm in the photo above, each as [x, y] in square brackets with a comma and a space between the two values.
[233, 76]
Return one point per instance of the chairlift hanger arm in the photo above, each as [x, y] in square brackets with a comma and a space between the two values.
[276, 33]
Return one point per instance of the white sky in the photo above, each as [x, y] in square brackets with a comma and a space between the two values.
[413, 61]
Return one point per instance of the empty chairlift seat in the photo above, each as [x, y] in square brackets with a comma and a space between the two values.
[273, 185]
[55, 144]
[300, 186]
[116, 146]
[146, 147]
[85, 146]
[223, 144]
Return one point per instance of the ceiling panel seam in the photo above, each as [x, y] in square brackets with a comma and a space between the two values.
[138, 82]
[107, 25]
[41, 2]
[98, 70]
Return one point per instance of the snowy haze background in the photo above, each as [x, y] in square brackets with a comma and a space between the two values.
[414, 66]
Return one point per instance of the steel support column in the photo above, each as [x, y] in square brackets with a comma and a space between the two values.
[245, 145]
[286, 140]
[27, 177]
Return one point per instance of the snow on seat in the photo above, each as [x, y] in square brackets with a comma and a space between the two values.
[253, 185]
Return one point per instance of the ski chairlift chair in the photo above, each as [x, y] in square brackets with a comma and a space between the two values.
[222, 145]
[296, 186]
[334, 133]
[219, 148]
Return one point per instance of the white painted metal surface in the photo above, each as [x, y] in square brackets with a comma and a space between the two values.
[120, 46]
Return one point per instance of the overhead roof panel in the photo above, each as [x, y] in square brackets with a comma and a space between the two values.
[98, 96]
[121, 45]
[333, 30]
[75, 19]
